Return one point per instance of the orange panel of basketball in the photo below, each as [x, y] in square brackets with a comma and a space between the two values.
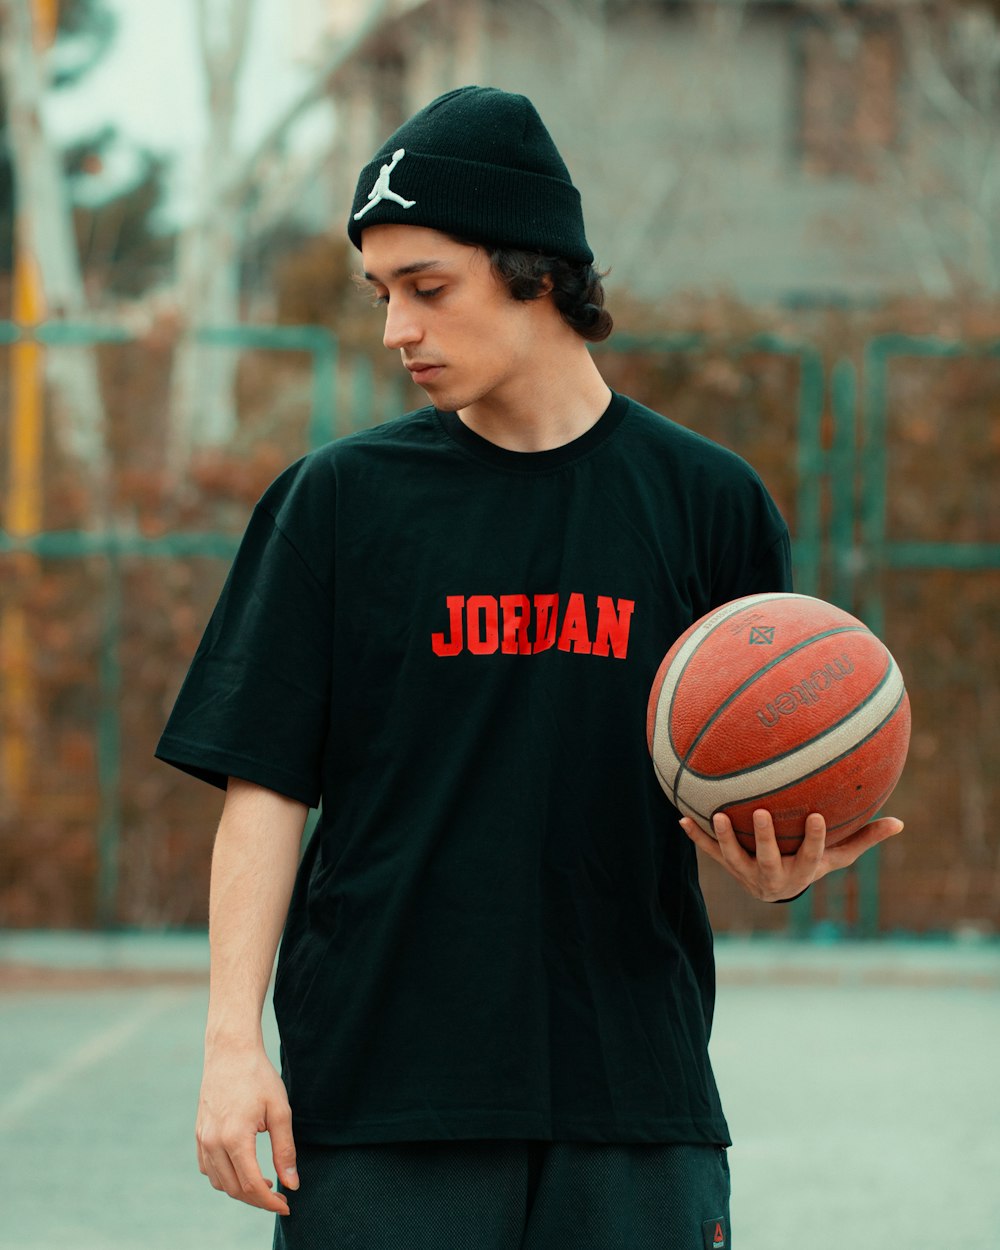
[780, 701]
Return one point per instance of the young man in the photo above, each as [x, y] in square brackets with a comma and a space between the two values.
[496, 983]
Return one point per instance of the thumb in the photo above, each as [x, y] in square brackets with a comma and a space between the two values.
[279, 1126]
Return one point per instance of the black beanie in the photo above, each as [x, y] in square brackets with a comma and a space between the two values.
[477, 163]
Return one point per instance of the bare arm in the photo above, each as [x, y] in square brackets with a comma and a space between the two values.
[253, 869]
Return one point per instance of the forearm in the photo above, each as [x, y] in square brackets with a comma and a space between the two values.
[253, 869]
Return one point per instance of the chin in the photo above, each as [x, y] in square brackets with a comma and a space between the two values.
[445, 400]
[448, 400]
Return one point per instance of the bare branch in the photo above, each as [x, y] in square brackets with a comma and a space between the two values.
[917, 231]
[925, 59]
[201, 26]
[45, 233]
[245, 177]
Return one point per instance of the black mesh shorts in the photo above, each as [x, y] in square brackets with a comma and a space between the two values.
[508, 1195]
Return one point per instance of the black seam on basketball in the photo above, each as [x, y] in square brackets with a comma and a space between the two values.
[864, 814]
[800, 646]
[758, 673]
[664, 783]
[774, 759]
[737, 608]
[871, 809]
[756, 798]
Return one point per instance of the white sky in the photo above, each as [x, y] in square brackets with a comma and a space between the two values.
[149, 86]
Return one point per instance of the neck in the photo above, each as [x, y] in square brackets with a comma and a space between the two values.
[537, 411]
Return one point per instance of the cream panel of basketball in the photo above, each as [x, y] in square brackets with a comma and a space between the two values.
[708, 794]
[663, 750]
[704, 795]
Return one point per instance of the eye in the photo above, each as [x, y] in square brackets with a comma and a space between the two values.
[429, 293]
[378, 300]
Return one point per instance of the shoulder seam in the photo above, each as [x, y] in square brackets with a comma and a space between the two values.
[301, 558]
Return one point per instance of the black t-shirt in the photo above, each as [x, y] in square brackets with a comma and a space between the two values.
[497, 929]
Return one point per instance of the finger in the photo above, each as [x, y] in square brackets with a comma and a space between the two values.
[704, 841]
[810, 852]
[845, 853]
[734, 853]
[886, 827]
[214, 1179]
[252, 1186]
[220, 1172]
[773, 878]
[279, 1126]
[214, 1163]
[766, 842]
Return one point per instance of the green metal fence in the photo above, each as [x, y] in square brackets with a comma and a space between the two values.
[113, 546]
[830, 556]
[860, 547]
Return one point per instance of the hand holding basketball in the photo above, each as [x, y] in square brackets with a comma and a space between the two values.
[782, 703]
[770, 876]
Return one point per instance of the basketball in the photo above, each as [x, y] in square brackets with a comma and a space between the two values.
[784, 702]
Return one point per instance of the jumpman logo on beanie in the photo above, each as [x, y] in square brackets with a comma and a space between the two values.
[481, 166]
[381, 190]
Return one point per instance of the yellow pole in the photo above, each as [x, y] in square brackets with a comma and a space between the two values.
[23, 510]
[46, 16]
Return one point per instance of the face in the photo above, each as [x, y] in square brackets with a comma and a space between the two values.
[458, 330]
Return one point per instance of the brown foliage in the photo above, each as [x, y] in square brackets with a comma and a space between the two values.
[143, 615]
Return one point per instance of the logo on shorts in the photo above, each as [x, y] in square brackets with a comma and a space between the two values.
[715, 1234]
[762, 635]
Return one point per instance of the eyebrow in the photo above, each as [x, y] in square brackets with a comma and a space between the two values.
[418, 266]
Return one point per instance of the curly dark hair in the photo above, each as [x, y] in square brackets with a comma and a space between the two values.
[577, 290]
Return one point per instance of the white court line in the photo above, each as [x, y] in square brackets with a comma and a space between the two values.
[103, 1044]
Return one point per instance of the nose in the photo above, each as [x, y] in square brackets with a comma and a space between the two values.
[402, 328]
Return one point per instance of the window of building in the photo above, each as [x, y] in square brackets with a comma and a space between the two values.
[847, 82]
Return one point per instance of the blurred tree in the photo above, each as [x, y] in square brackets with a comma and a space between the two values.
[87, 241]
[85, 30]
[48, 279]
[952, 189]
[910, 99]
[203, 403]
[121, 251]
[241, 196]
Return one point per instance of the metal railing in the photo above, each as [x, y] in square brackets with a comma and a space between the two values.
[832, 557]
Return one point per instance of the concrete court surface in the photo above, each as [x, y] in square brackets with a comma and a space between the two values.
[860, 1082]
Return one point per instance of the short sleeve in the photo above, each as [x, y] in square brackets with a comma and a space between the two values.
[255, 701]
[757, 552]
[772, 571]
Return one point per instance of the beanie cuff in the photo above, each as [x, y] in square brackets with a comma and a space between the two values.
[479, 202]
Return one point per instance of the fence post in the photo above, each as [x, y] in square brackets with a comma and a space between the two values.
[109, 747]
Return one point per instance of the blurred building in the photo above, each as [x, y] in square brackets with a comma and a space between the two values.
[783, 150]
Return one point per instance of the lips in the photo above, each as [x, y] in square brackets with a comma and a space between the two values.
[422, 373]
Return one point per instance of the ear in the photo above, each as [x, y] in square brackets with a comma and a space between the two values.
[544, 285]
